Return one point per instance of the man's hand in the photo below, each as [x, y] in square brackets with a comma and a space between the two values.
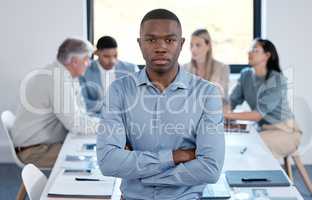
[181, 156]
[128, 147]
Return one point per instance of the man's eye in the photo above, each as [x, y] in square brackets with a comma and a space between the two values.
[150, 40]
[170, 40]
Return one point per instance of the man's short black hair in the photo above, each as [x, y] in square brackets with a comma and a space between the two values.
[106, 42]
[160, 14]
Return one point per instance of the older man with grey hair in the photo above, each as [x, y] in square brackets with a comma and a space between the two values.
[51, 105]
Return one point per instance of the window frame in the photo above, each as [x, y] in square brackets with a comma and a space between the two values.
[235, 68]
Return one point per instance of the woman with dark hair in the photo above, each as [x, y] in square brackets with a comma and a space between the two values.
[204, 65]
[264, 88]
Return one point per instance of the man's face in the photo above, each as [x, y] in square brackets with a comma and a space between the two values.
[107, 57]
[79, 65]
[160, 42]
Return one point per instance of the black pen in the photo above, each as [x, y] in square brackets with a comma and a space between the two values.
[254, 179]
[86, 179]
[77, 171]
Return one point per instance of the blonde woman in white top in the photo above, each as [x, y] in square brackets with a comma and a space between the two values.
[204, 65]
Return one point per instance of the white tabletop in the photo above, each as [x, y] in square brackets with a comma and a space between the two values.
[256, 156]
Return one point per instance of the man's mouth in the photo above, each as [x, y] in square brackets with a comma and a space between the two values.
[160, 61]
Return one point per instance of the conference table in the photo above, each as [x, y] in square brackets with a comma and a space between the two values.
[244, 151]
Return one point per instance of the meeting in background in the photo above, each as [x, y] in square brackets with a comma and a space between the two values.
[155, 100]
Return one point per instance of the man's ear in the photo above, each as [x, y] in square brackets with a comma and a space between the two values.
[139, 41]
[182, 42]
[96, 52]
[69, 64]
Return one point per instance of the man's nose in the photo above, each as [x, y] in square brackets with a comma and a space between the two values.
[161, 46]
[161, 43]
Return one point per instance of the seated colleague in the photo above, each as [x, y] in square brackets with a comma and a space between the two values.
[102, 73]
[265, 89]
[171, 119]
[51, 105]
[204, 65]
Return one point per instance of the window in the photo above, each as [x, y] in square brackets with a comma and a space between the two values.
[232, 25]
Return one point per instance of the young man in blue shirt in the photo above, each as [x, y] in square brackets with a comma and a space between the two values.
[172, 120]
[102, 72]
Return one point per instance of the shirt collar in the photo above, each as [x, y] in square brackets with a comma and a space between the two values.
[142, 78]
[182, 79]
[102, 69]
[63, 71]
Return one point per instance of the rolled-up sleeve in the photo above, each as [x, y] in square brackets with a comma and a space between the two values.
[210, 150]
[113, 159]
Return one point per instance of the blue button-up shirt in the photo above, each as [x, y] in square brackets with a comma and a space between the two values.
[187, 114]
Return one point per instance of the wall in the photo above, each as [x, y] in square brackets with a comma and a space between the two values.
[288, 24]
[30, 34]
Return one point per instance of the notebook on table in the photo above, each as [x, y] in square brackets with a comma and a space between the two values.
[256, 178]
[89, 187]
